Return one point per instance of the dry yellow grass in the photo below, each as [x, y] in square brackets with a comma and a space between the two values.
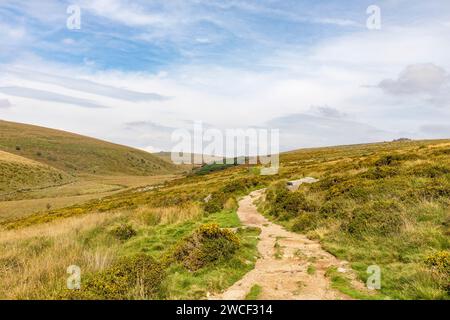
[58, 227]
[9, 157]
[88, 188]
[33, 261]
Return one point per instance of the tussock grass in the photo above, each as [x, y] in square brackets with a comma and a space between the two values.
[33, 261]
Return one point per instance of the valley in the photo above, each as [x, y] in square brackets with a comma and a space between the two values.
[383, 204]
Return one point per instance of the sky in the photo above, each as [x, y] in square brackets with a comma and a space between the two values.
[135, 71]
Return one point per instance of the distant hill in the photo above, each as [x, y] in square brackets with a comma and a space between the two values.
[210, 163]
[167, 156]
[20, 174]
[77, 154]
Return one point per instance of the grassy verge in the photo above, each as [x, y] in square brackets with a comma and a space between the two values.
[343, 284]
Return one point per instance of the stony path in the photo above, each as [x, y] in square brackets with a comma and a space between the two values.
[290, 266]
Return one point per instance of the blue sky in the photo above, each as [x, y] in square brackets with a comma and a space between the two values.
[309, 68]
[217, 32]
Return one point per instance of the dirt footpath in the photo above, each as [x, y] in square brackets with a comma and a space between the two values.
[290, 266]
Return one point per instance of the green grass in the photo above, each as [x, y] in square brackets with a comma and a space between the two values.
[255, 292]
[343, 284]
[182, 283]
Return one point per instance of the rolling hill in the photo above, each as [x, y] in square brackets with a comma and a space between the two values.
[77, 154]
[22, 174]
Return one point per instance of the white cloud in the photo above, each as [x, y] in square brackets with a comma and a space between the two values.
[4, 103]
[416, 79]
[327, 112]
[338, 22]
[124, 12]
[68, 41]
[12, 35]
[42, 95]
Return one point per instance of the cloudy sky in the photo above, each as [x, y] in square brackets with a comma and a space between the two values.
[138, 70]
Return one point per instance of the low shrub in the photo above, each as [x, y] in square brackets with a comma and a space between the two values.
[285, 204]
[429, 170]
[437, 188]
[135, 277]
[440, 262]
[231, 204]
[241, 185]
[395, 159]
[207, 245]
[215, 203]
[328, 182]
[123, 232]
[379, 218]
[380, 172]
[305, 222]
[332, 208]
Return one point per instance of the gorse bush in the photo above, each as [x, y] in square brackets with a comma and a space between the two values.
[215, 203]
[135, 277]
[439, 265]
[379, 218]
[395, 159]
[332, 209]
[440, 262]
[231, 204]
[208, 244]
[429, 170]
[305, 222]
[123, 231]
[287, 204]
[241, 185]
[380, 172]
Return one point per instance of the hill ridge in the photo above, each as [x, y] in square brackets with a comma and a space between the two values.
[76, 153]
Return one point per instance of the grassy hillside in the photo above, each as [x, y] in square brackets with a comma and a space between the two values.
[78, 154]
[172, 227]
[380, 204]
[19, 174]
